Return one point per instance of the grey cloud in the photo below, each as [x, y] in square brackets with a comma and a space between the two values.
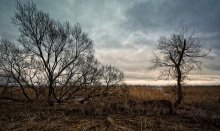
[125, 32]
[7, 30]
[170, 14]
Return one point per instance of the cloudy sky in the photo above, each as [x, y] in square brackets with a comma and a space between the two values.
[125, 32]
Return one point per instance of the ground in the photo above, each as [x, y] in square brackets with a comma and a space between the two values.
[200, 110]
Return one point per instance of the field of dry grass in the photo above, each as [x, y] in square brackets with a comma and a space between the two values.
[200, 110]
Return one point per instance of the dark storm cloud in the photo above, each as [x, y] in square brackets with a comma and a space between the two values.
[202, 15]
[6, 11]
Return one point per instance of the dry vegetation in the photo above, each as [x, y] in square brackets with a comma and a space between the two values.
[144, 108]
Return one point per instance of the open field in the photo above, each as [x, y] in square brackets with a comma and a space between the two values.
[144, 108]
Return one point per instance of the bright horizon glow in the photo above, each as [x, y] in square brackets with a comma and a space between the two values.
[170, 82]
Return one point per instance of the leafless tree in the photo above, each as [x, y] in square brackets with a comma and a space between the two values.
[57, 46]
[86, 80]
[111, 77]
[91, 72]
[179, 54]
[53, 58]
[15, 67]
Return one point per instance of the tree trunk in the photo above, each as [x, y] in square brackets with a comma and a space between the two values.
[50, 102]
[179, 91]
[24, 93]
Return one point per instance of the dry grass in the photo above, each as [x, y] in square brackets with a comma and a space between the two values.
[202, 94]
[148, 93]
[199, 111]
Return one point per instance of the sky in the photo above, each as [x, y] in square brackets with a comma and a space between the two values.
[126, 32]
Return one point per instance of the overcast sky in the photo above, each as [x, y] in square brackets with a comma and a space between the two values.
[125, 32]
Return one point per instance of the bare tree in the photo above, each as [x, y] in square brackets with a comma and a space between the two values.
[15, 67]
[53, 58]
[91, 72]
[179, 54]
[86, 80]
[57, 46]
[112, 76]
